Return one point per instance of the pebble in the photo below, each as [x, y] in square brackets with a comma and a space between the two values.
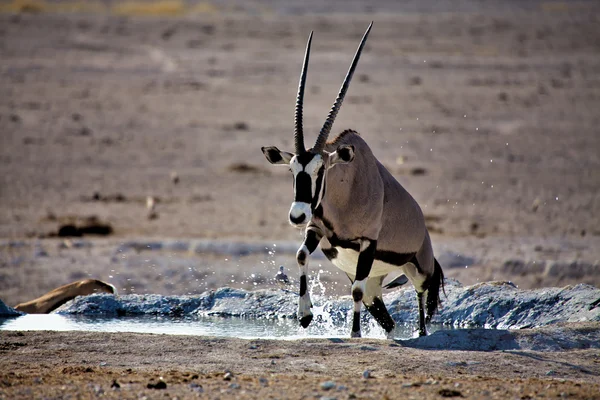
[368, 348]
[367, 374]
[234, 386]
[228, 376]
[196, 387]
[328, 385]
[263, 381]
[157, 385]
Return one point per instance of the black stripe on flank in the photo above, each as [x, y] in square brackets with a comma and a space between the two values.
[393, 258]
[303, 187]
[303, 285]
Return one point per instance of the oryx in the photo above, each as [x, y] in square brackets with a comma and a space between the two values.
[367, 224]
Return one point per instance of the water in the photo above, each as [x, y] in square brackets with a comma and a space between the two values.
[244, 328]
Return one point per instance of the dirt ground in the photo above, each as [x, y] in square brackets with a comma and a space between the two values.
[487, 112]
[91, 365]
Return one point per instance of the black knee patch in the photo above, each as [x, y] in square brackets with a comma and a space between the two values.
[301, 257]
[357, 295]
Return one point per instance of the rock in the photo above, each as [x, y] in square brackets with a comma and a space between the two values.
[196, 387]
[157, 385]
[449, 393]
[328, 385]
[227, 376]
[6, 311]
[367, 374]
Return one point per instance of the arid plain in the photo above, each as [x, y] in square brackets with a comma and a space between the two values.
[486, 112]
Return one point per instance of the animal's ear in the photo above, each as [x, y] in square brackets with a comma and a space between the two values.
[276, 156]
[344, 154]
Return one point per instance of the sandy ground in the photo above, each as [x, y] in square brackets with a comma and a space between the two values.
[487, 113]
[91, 365]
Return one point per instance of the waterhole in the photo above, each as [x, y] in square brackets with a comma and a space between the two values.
[245, 328]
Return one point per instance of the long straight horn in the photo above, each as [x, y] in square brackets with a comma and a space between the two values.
[320, 143]
[298, 132]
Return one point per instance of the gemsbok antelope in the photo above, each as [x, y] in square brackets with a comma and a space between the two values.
[367, 224]
[59, 296]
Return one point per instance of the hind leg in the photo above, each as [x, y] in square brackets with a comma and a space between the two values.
[373, 302]
[420, 270]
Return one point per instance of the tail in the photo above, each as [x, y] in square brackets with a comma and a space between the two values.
[433, 291]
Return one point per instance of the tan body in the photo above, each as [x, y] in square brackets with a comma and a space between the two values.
[59, 296]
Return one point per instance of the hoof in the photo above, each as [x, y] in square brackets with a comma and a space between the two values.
[355, 334]
[305, 321]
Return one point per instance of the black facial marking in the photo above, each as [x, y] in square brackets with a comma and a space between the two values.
[356, 322]
[299, 219]
[303, 285]
[305, 158]
[303, 185]
[381, 315]
[365, 261]
[320, 176]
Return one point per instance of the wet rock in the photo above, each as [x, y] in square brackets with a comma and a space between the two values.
[196, 387]
[6, 311]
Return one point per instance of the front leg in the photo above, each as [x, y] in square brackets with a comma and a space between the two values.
[363, 269]
[312, 238]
